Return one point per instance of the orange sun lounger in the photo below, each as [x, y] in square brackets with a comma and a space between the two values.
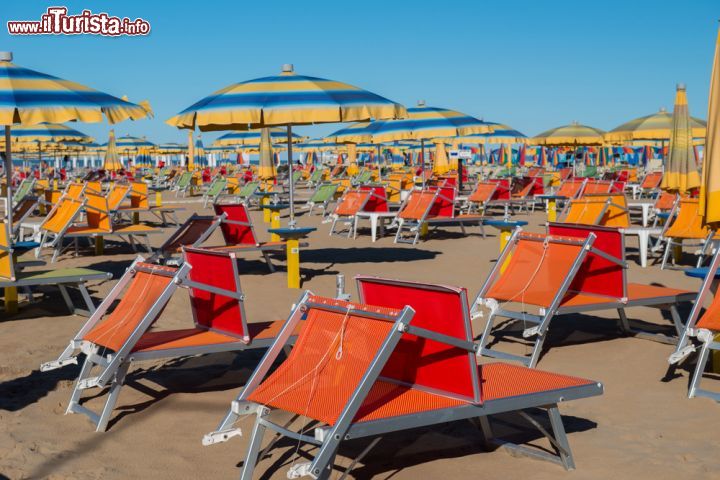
[192, 233]
[481, 197]
[432, 207]
[114, 337]
[685, 225]
[573, 269]
[353, 201]
[401, 358]
[598, 209]
[705, 329]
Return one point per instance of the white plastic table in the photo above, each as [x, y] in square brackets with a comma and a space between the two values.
[643, 234]
[376, 218]
[646, 205]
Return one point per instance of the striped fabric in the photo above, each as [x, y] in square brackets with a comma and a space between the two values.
[112, 161]
[500, 134]
[29, 97]
[423, 123]
[681, 170]
[46, 132]
[710, 191]
[252, 138]
[285, 99]
[169, 148]
[127, 143]
[573, 134]
[657, 126]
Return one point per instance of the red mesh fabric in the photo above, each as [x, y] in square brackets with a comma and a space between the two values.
[232, 233]
[534, 273]
[213, 310]
[444, 203]
[188, 235]
[377, 202]
[503, 189]
[421, 361]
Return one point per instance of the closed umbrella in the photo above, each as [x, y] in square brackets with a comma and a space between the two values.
[112, 161]
[710, 189]
[681, 172]
[266, 166]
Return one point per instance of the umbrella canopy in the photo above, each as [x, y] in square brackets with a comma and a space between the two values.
[169, 148]
[128, 143]
[29, 97]
[47, 132]
[199, 152]
[286, 99]
[573, 134]
[112, 161]
[657, 126]
[681, 172]
[501, 134]
[710, 189]
[252, 138]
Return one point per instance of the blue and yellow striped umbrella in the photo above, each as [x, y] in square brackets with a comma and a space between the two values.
[285, 99]
[46, 132]
[500, 134]
[423, 123]
[573, 134]
[128, 143]
[252, 138]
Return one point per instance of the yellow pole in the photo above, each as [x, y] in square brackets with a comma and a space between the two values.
[716, 357]
[158, 199]
[99, 245]
[11, 300]
[136, 218]
[552, 210]
[275, 223]
[293, 263]
[505, 234]
[677, 251]
[423, 230]
[266, 211]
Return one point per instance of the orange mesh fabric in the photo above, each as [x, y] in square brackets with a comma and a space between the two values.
[711, 318]
[597, 187]
[501, 380]
[190, 233]
[569, 189]
[144, 290]
[97, 212]
[688, 223]
[665, 201]
[312, 381]
[62, 216]
[483, 193]
[116, 196]
[534, 273]
[190, 337]
[351, 203]
[652, 181]
[417, 205]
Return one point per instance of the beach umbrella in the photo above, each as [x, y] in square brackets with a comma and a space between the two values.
[30, 97]
[441, 165]
[45, 134]
[501, 134]
[681, 172]
[710, 189]
[423, 123]
[287, 99]
[112, 161]
[573, 134]
[266, 166]
[199, 157]
[252, 138]
[657, 126]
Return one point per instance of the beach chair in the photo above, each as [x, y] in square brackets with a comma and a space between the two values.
[650, 185]
[705, 329]
[247, 192]
[193, 232]
[685, 225]
[183, 184]
[21, 211]
[351, 202]
[140, 203]
[598, 209]
[323, 195]
[317, 177]
[214, 190]
[113, 338]
[99, 222]
[12, 277]
[598, 187]
[359, 370]
[480, 197]
[239, 235]
[434, 208]
[573, 269]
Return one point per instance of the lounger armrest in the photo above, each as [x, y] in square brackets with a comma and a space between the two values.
[439, 337]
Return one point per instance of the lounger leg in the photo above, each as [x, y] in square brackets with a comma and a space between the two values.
[624, 324]
[86, 297]
[486, 334]
[332, 227]
[66, 298]
[77, 392]
[561, 438]
[537, 348]
[268, 260]
[677, 321]
[253, 448]
[699, 369]
[668, 247]
[112, 397]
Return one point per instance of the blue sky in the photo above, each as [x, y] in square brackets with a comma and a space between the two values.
[531, 64]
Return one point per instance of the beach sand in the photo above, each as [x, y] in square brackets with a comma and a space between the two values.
[642, 427]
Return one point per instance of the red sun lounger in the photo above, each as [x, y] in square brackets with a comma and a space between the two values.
[360, 370]
[114, 337]
[573, 269]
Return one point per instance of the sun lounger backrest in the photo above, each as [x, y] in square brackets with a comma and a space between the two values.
[7, 270]
[503, 188]
[423, 362]
[570, 188]
[96, 212]
[351, 202]
[537, 270]
[483, 192]
[665, 201]
[139, 195]
[75, 190]
[332, 353]
[23, 209]
[95, 186]
[188, 233]
[597, 186]
[688, 222]
[219, 309]
[417, 205]
[237, 227]
[60, 217]
[597, 275]
[324, 193]
[147, 285]
[377, 200]
[651, 181]
[116, 196]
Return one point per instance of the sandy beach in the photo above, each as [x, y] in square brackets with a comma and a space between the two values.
[642, 427]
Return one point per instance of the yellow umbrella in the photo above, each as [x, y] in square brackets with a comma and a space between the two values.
[191, 152]
[710, 189]
[441, 164]
[266, 167]
[681, 173]
[112, 162]
[352, 158]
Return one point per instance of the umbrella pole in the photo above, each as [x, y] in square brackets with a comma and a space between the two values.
[8, 175]
[422, 161]
[290, 178]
